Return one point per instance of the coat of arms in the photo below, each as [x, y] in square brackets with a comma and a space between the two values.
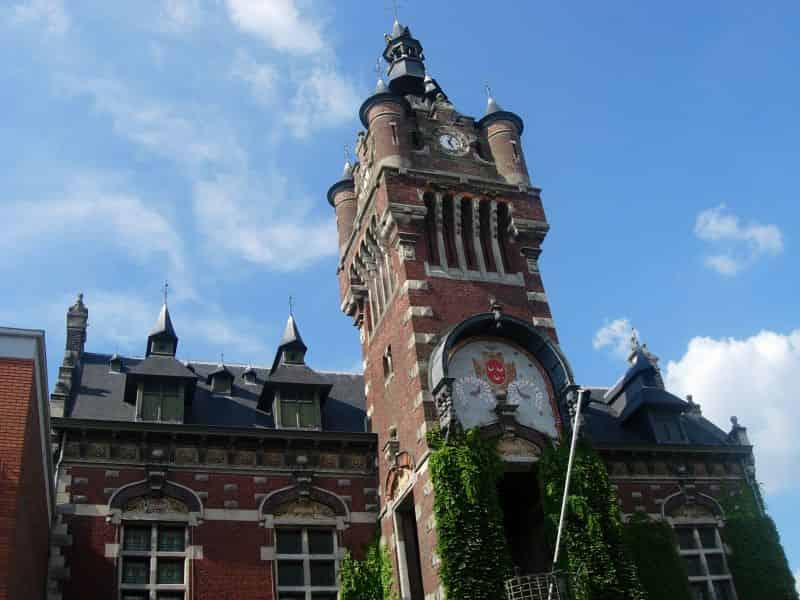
[493, 368]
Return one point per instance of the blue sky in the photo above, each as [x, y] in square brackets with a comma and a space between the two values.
[194, 140]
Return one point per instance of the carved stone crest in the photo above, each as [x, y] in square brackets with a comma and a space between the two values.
[305, 508]
[150, 505]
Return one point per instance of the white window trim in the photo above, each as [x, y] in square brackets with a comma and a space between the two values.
[152, 588]
[702, 552]
[306, 557]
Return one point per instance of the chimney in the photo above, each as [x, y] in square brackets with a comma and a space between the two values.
[77, 317]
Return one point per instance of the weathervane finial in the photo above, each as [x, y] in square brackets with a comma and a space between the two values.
[488, 89]
[291, 306]
[165, 289]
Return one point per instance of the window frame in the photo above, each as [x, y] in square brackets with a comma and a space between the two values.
[179, 399]
[152, 588]
[282, 396]
[701, 552]
[306, 557]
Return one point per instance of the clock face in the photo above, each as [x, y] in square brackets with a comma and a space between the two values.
[453, 143]
[485, 369]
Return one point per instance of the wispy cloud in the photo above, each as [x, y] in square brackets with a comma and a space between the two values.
[185, 134]
[323, 98]
[737, 246]
[752, 378]
[261, 78]
[96, 208]
[261, 223]
[179, 16]
[279, 23]
[49, 14]
[616, 336]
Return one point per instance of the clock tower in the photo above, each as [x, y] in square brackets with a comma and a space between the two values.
[440, 231]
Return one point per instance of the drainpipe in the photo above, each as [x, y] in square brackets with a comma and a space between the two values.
[575, 427]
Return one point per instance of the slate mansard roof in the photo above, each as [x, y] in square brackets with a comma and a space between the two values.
[99, 393]
[618, 416]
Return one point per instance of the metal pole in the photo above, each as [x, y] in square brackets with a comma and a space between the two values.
[575, 427]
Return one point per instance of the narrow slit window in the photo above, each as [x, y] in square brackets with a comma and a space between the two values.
[395, 140]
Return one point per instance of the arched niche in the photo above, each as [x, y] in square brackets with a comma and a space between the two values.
[165, 501]
[303, 504]
[683, 507]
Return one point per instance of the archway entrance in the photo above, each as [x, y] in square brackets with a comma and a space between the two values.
[523, 519]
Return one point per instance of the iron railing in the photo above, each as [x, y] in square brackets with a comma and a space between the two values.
[543, 586]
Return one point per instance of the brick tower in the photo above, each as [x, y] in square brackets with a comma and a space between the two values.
[440, 233]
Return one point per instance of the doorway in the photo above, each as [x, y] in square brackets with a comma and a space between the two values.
[523, 521]
[408, 555]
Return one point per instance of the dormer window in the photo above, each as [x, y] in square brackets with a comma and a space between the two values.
[162, 346]
[161, 401]
[249, 376]
[668, 429]
[293, 357]
[298, 408]
[221, 381]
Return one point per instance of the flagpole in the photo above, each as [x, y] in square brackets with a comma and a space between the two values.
[575, 427]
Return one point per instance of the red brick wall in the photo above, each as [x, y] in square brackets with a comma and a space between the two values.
[24, 524]
[231, 567]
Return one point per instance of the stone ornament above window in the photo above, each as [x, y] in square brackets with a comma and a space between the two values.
[149, 505]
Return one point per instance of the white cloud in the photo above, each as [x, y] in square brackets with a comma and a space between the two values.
[94, 209]
[277, 22]
[262, 224]
[176, 133]
[48, 13]
[180, 15]
[120, 321]
[322, 99]
[261, 78]
[616, 336]
[740, 245]
[751, 378]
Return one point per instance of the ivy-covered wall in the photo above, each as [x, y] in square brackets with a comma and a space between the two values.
[367, 579]
[756, 559]
[474, 557]
[654, 550]
[595, 556]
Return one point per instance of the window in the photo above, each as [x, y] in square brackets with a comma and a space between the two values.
[161, 347]
[161, 401]
[388, 365]
[306, 564]
[668, 429]
[153, 562]
[221, 383]
[293, 356]
[702, 550]
[299, 407]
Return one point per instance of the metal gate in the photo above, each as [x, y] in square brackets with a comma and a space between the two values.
[544, 586]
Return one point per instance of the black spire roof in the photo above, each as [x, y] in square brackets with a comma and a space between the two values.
[405, 57]
[291, 342]
[163, 331]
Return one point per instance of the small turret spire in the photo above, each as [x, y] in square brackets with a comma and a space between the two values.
[491, 104]
[405, 57]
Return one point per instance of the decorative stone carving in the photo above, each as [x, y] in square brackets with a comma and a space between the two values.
[94, 450]
[328, 461]
[126, 452]
[513, 448]
[149, 505]
[216, 456]
[305, 508]
[186, 455]
[244, 458]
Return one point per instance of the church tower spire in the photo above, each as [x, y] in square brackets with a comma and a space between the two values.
[404, 54]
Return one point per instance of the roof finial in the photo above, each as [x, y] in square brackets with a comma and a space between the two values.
[488, 90]
[291, 306]
[222, 358]
[634, 340]
[395, 8]
[166, 291]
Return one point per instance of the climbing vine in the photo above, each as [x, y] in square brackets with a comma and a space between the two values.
[654, 550]
[475, 560]
[367, 579]
[594, 557]
[756, 559]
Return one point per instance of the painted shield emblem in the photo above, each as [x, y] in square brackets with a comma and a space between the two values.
[496, 371]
